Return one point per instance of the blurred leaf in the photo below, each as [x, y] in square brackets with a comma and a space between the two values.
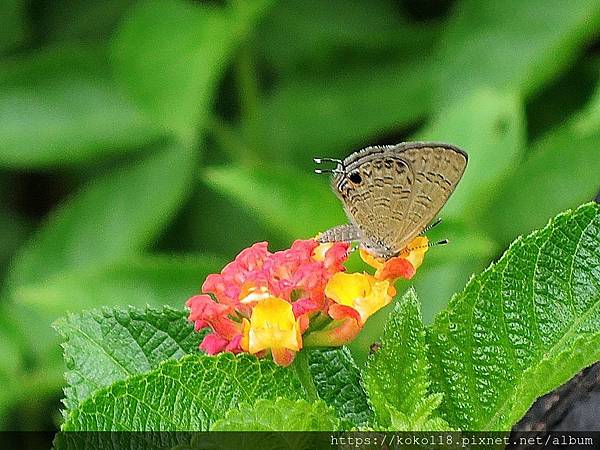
[11, 366]
[562, 171]
[522, 327]
[338, 382]
[188, 394]
[325, 116]
[111, 218]
[279, 415]
[490, 127]
[171, 54]
[81, 19]
[61, 106]
[13, 28]
[199, 227]
[141, 280]
[397, 374]
[291, 203]
[109, 345]
[512, 45]
[295, 38]
[13, 231]
[563, 98]
[588, 120]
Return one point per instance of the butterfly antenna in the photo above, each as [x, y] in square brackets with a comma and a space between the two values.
[430, 226]
[335, 160]
[338, 162]
[435, 244]
[336, 171]
[429, 245]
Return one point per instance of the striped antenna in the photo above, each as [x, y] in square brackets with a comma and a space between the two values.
[335, 160]
[431, 225]
[429, 245]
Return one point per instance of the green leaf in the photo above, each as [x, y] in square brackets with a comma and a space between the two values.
[524, 326]
[111, 218]
[292, 38]
[170, 54]
[562, 167]
[490, 127]
[325, 116]
[13, 231]
[84, 21]
[105, 346]
[338, 383]
[279, 415]
[397, 374]
[13, 29]
[188, 394]
[287, 201]
[588, 121]
[61, 106]
[512, 45]
[149, 279]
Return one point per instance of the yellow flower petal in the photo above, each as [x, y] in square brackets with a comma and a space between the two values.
[415, 251]
[319, 252]
[272, 326]
[360, 291]
[251, 293]
[376, 263]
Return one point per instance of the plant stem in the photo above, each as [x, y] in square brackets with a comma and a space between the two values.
[303, 371]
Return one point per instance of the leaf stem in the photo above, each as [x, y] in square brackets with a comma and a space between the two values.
[303, 371]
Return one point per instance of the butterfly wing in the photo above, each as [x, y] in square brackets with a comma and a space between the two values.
[375, 190]
[391, 193]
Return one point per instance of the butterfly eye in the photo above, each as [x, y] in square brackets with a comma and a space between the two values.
[355, 177]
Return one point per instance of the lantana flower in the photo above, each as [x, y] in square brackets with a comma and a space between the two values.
[404, 265]
[275, 304]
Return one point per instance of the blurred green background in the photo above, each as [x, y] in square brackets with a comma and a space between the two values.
[143, 144]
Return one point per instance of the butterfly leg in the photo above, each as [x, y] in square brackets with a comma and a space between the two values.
[341, 233]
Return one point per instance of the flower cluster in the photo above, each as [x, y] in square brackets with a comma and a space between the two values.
[277, 303]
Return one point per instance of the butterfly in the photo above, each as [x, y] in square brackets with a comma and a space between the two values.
[391, 193]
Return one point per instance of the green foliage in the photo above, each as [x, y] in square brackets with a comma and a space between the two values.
[338, 382]
[188, 394]
[524, 326]
[489, 125]
[397, 374]
[75, 110]
[521, 328]
[109, 109]
[114, 216]
[563, 166]
[146, 279]
[279, 415]
[105, 346]
[279, 197]
[539, 38]
[12, 24]
[170, 55]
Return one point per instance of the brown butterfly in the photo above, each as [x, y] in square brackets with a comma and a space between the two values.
[390, 193]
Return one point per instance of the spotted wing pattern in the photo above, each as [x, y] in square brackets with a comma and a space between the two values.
[391, 193]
